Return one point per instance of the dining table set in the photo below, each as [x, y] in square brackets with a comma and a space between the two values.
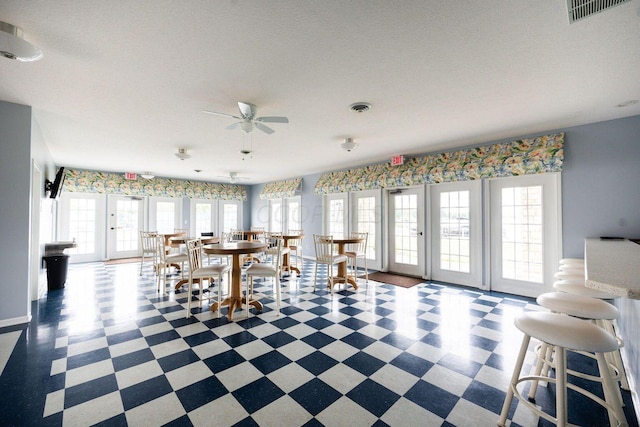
[240, 252]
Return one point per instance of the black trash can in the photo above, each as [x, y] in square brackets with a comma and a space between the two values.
[56, 271]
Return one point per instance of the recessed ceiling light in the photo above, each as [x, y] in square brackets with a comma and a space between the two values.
[360, 107]
[627, 103]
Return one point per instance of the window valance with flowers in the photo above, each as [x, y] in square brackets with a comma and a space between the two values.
[280, 189]
[115, 183]
[542, 154]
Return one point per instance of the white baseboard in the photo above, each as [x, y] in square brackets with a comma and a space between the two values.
[15, 321]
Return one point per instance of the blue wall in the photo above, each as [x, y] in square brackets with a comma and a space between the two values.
[15, 190]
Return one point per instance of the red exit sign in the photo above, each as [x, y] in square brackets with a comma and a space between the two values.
[130, 176]
[397, 160]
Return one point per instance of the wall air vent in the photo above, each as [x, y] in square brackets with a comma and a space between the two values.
[580, 9]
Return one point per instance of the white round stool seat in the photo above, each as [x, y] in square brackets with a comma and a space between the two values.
[565, 331]
[572, 269]
[569, 275]
[578, 306]
[572, 261]
[578, 288]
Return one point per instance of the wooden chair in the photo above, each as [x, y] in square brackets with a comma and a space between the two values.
[148, 243]
[266, 269]
[208, 273]
[325, 255]
[295, 245]
[164, 262]
[358, 250]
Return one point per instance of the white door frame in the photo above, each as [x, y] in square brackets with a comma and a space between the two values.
[551, 226]
[377, 238]
[100, 225]
[473, 229]
[418, 269]
[112, 252]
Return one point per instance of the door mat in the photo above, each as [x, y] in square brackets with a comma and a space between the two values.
[123, 261]
[395, 279]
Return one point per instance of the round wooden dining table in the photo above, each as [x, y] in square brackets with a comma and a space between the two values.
[236, 250]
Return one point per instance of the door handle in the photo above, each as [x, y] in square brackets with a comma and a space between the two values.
[113, 228]
[419, 233]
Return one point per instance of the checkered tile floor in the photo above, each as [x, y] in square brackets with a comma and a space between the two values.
[108, 350]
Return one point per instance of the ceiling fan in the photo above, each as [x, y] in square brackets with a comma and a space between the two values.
[233, 177]
[248, 120]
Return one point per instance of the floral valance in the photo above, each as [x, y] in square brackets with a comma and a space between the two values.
[115, 183]
[280, 189]
[521, 157]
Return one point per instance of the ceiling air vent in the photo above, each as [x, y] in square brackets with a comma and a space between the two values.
[360, 107]
[580, 9]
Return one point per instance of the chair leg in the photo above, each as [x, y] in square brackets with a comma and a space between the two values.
[141, 263]
[189, 299]
[514, 380]
[315, 277]
[276, 281]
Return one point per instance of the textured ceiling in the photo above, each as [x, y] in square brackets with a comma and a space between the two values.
[122, 84]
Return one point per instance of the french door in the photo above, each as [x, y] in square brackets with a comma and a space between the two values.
[126, 219]
[406, 240]
[204, 216]
[165, 214]
[82, 218]
[366, 214]
[456, 233]
[230, 215]
[525, 233]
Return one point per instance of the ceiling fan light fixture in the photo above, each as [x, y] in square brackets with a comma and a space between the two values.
[348, 145]
[182, 154]
[147, 175]
[14, 46]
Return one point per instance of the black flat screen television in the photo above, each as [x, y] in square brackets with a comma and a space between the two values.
[56, 186]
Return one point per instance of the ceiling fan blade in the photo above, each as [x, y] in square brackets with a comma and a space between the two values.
[233, 126]
[221, 114]
[264, 128]
[272, 119]
[248, 111]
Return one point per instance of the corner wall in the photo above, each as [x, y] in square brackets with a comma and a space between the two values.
[15, 190]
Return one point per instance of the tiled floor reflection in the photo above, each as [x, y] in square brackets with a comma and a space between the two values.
[109, 350]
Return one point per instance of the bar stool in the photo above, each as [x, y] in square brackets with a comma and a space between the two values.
[564, 332]
[577, 287]
[583, 307]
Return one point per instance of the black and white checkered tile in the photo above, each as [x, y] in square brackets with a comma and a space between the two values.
[109, 350]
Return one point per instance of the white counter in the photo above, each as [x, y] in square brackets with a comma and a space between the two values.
[613, 266]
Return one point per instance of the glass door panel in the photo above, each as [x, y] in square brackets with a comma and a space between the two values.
[456, 233]
[406, 240]
[126, 216]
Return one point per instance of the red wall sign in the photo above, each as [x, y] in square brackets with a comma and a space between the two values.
[397, 160]
[130, 175]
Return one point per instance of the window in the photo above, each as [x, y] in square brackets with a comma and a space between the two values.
[165, 217]
[335, 215]
[230, 213]
[82, 225]
[294, 213]
[275, 215]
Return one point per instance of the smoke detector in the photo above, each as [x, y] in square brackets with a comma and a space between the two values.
[349, 145]
[14, 46]
[360, 107]
[182, 154]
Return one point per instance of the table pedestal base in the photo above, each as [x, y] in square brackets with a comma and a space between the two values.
[235, 303]
[350, 280]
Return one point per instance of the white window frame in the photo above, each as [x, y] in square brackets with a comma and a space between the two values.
[277, 214]
[288, 201]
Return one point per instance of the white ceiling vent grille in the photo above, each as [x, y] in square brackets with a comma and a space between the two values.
[580, 9]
